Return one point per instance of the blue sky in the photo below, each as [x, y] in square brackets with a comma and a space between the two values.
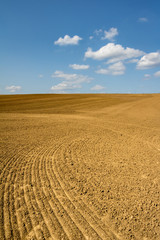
[70, 46]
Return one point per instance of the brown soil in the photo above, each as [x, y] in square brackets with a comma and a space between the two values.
[80, 167]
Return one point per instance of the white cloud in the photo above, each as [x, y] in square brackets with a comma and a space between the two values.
[114, 69]
[97, 88]
[110, 34]
[91, 37]
[149, 60]
[119, 66]
[114, 52]
[69, 81]
[97, 32]
[40, 76]
[67, 40]
[103, 71]
[13, 88]
[143, 19]
[147, 76]
[66, 76]
[64, 86]
[157, 74]
[79, 67]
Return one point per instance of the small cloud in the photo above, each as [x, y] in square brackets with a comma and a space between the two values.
[157, 74]
[71, 77]
[79, 67]
[69, 81]
[40, 76]
[67, 40]
[149, 60]
[142, 19]
[91, 37]
[62, 87]
[97, 88]
[97, 32]
[103, 71]
[66, 76]
[110, 34]
[13, 88]
[147, 76]
[114, 69]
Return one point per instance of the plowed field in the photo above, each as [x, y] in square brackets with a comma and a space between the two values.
[80, 167]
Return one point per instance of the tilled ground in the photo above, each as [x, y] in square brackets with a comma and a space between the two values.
[89, 173]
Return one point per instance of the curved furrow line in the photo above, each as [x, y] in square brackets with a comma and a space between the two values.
[47, 192]
[8, 201]
[25, 221]
[21, 206]
[27, 187]
[64, 208]
[41, 193]
[34, 197]
[39, 222]
[66, 221]
[8, 204]
[94, 233]
[23, 199]
[6, 161]
[101, 228]
[81, 211]
[14, 219]
[12, 199]
[6, 214]
[53, 226]
[12, 156]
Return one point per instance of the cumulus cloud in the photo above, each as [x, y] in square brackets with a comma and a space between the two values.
[67, 40]
[97, 88]
[157, 74]
[149, 60]
[91, 37]
[13, 88]
[110, 34]
[79, 67]
[114, 52]
[114, 69]
[62, 87]
[143, 19]
[69, 81]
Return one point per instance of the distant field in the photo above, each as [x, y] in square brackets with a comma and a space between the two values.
[62, 103]
[80, 166]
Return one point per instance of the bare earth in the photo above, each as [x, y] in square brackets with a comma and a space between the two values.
[80, 167]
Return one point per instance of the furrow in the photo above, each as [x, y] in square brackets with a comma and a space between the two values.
[10, 220]
[69, 203]
[49, 217]
[64, 217]
[84, 209]
[33, 222]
